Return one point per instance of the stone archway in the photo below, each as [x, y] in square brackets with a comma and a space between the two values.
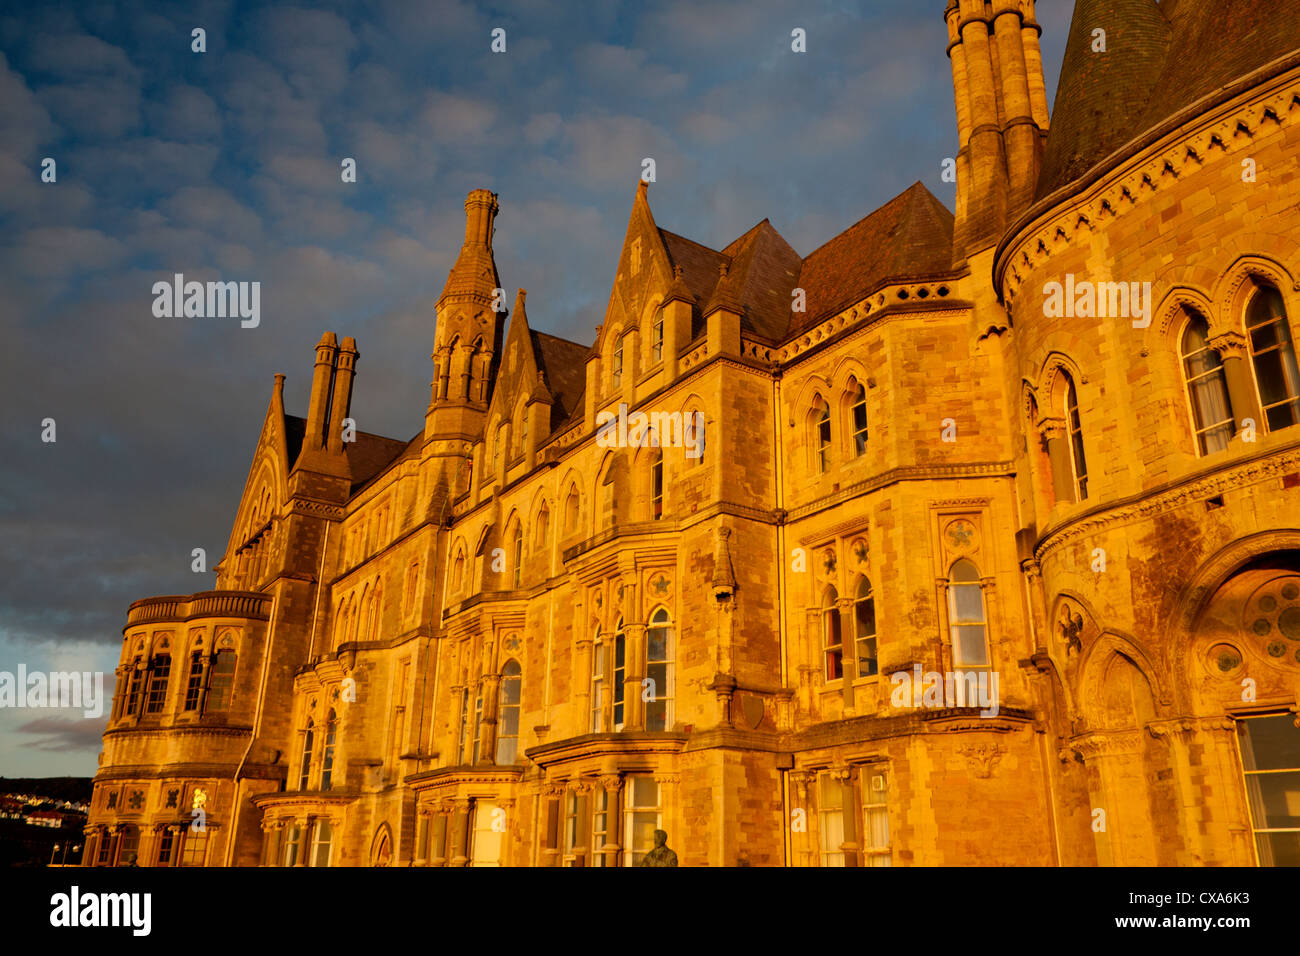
[381, 849]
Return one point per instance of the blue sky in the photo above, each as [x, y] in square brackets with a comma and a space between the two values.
[225, 164]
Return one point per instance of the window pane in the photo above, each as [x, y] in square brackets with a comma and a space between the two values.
[969, 645]
[1269, 743]
[644, 792]
[967, 602]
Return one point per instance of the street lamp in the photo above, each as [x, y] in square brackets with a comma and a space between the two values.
[52, 852]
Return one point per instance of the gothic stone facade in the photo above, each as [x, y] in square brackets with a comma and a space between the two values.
[505, 642]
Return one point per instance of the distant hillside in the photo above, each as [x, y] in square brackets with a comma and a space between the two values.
[75, 789]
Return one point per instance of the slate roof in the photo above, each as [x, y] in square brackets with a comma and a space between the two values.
[1160, 58]
[564, 364]
[909, 237]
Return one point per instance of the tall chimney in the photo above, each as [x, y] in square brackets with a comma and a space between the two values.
[320, 391]
[344, 374]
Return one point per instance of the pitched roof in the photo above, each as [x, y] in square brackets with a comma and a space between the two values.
[1159, 59]
[564, 364]
[908, 237]
[371, 454]
[764, 269]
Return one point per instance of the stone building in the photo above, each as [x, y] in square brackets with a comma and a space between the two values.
[987, 550]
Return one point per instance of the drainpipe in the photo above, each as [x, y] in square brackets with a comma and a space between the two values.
[779, 452]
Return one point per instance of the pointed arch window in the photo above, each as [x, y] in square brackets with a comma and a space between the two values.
[571, 505]
[133, 689]
[616, 373]
[821, 436]
[966, 618]
[523, 429]
[464, 724]
[598, 653]
[478, 724]
[620, 671]
[517, 555]
[159, 672]
[832, 637]
[1272, 355]
[458, 573]
[864, 628]
[858, 415]
[308, 740]
[508, 734]
[659, 669]
[1074, 429]
[657, 486]
[1207, 388]
[194, 683]
[222, 681]
[657, 337]
[327, 758]
[543, 526]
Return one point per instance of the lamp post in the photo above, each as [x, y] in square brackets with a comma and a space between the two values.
[52, 852]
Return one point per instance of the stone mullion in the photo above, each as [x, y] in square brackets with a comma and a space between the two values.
[634, 660]
[460, 833]
[584, 663]
[801, 839]
[1053, 431]
[439, 829]
[488, 732]
[848, 661]
[1231, 347]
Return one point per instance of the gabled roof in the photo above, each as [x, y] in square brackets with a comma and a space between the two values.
[765, 270]
[564, 364]
[908, 237]
[1159, 59]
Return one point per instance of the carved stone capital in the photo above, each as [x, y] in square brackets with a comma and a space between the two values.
[1229, 345]
[1051, 428]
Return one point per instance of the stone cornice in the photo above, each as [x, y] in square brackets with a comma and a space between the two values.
[607, 745]
[996, 469]
[1138, 169]
[1272, 463]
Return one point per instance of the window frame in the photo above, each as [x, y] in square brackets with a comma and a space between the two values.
[1285, 348]
[1201, 432]
[660, 619]
[955, 622]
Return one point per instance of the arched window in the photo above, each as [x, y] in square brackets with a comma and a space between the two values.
[657, 486]
[159, 671]
[508, 732]
[498, 449]
[693, 440]
[616, 371]
[858, 414]
[321, 839]
[478, 723]
[821, 436]
[1273, 357]
[458, 572]
[362, 623]
[523, 428]
[543, 528]
[659, 669]
[598, 651]
[607, 497]
[327, 759]
[194, 682]
[464, 724]
[1207, 388]
[308, 739]
[221, 681]
[832, 639]
[571, 505]
[133, 689]
[1074, 429]
[966, 616]
[864, 628]
[620, 669]
[517, 554]
[657, 337]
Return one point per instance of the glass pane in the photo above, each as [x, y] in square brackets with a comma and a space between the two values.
[1269, 743]
[641, 831]
[834, 665]
[1275, 800]
[1271, 375]
[657, 644]
[644, 792]
[864, 613]
[877, 828]
[511, 690]
[969, 645]
[1278, 849]
[867, 657]
[967, 602]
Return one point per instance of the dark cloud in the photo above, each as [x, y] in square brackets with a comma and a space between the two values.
[226, 164]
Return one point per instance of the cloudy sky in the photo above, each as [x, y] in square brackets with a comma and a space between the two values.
[226, 164]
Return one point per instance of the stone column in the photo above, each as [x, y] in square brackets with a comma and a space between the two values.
[490, 687]
[1054, 433]
[634, 659]
[583, 664]
[1231, 347]
[800, 840]
[460, 833]
[613, 784]
[849, 653]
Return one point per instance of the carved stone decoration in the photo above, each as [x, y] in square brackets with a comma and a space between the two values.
[961, 536]
[983, 758]
[1071, 627]
[751, 707]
